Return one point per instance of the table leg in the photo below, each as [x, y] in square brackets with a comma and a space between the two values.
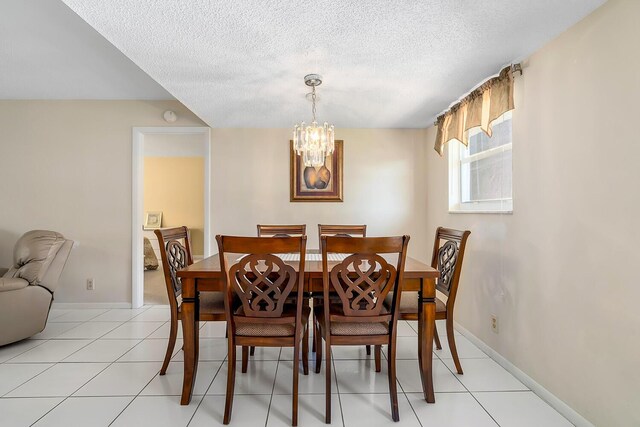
[190, 332]
[426, 324]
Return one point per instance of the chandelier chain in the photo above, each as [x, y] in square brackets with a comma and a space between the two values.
[313, 102]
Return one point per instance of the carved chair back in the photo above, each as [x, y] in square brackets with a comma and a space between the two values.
[259, 279]
[364, 278]
[341, 230]
[448, 254]
[175, 251]
[281, 230]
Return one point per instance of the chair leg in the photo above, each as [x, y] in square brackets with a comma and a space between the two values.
[317, 338]
[305, 351]
[378, 356]
[231, 381]
[436, 338]
[245, 359]
[452, 344]
[393, 387]
[313, 306]
[253, 350]
[296, 373]
[173, 333]
[368, 350]
[327, 415]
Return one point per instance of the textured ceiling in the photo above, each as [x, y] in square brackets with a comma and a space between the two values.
[384, 63]
[48, 52]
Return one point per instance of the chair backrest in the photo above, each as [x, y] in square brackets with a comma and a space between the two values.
[175, 251]
[281, 230]
[259, 278]
[365, 277]
[448, 254]
[341, 230]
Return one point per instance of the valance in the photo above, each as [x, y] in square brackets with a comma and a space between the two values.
[478, 109]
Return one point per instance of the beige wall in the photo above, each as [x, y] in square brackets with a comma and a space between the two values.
[384, 184]
[561, 272]
[66, 166]
[175, 186]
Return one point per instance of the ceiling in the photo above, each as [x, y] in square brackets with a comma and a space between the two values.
[241, 63]
[49, 52]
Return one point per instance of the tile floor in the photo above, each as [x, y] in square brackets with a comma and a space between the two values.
[94, 367]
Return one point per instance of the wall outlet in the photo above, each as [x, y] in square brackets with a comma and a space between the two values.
[90, 284]
[494, 323]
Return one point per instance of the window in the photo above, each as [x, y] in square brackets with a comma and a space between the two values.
[480, 174]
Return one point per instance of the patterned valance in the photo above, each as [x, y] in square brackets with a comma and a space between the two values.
[478, 109]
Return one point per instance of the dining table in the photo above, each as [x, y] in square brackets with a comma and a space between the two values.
[206, 275]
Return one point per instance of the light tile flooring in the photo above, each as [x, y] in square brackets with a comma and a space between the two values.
[94, 367]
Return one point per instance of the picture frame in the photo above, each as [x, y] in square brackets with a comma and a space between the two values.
[152, 220]
[323, 184]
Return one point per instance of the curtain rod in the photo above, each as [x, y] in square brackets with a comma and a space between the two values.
[517, 67]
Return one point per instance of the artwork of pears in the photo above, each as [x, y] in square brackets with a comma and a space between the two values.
[316, 178]
[316, 184]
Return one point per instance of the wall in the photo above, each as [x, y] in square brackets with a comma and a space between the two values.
[384, 184]
[66, 166]
[561, 272]
[175, 186]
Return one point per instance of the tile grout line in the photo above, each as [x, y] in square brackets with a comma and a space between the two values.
[206, 391]
[333, 362]
[273, 387]
[455, 374]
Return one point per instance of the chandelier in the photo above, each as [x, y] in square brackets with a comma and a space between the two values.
[314, 143]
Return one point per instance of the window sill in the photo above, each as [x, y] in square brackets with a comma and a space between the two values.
[480, 211]
[484, 207]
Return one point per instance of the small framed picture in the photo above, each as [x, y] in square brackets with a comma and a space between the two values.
[152, 220]
[312, 184]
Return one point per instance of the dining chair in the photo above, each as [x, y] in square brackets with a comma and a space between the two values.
[344, 231]
[341, 230]
[263, 283]
[362, 281]
[281, 230]
[447, 257]
[175, 251]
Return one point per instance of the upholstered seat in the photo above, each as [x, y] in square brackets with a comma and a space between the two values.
[352, 328]
[264, 328]
[409, 303]
[210, 303]
[26, 289]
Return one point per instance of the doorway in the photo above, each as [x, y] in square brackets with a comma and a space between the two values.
[171, 187]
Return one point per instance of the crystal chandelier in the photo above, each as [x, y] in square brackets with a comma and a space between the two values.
[314, 143]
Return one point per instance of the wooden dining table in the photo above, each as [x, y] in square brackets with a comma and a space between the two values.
[206, 275]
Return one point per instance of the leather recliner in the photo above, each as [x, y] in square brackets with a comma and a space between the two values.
[26, 289]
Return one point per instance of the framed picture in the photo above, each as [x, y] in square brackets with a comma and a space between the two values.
[321, 184]
[152, 220]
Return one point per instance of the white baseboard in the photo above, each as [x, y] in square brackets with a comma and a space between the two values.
[568, 412]
[69, 305]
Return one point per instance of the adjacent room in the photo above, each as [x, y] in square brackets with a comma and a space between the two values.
[289, 213]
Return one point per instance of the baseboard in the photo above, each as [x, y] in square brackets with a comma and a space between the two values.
[68, 305]
[568, 412]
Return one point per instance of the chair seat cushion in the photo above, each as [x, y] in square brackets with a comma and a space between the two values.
[212, 302]
[409, 303]
[263, 327]
[352, 328]
[12, 284]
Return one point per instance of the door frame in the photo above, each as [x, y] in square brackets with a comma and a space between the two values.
[137, 206]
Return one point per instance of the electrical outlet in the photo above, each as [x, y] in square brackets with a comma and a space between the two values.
[90, 285]
[494, 323]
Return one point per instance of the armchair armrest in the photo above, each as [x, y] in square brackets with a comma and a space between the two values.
[12, 284]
